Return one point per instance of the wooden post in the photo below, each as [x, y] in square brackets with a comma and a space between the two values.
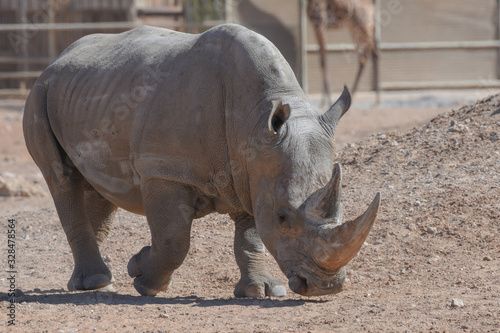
[303, 45]
[51, 33]
[189, 15]
[498, 37]
[22, 17]
[228, 8]
[378, 36]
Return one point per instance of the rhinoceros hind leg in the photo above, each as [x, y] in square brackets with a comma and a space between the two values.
[249, 251]
[169, 210]
[90, 271]
[100, 212]
[66, 185]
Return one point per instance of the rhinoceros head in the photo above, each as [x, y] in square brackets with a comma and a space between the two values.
[296, 196]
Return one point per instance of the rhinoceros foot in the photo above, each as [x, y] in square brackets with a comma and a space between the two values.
[79, 281]
[149, 278]
[260, 287]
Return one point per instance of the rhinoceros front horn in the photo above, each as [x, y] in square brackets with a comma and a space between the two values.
[336, 245]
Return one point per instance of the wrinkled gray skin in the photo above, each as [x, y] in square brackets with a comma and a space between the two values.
[176, 126]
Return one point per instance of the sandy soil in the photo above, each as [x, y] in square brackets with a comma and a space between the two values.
[437, 239]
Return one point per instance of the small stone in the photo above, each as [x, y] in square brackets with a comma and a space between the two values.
[381, 136]
[433, 259]
[458, 128]
[457, 303]
[431, 230]
[487, 258]
[163, 315]
[417, 203]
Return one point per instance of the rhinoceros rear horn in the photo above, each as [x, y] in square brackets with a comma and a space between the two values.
[328, 205]
[331, 117]
[338, 244]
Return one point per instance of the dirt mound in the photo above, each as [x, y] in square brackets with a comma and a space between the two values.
[431, 262]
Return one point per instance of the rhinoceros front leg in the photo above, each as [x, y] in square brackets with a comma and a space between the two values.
[169, 209]
[250, 253]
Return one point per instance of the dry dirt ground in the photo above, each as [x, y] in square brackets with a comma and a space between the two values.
[436, 241]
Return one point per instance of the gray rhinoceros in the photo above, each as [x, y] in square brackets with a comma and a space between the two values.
[175, 126]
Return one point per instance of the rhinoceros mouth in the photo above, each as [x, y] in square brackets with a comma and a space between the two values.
[302, 286]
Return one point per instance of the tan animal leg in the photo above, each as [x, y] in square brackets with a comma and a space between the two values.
[169, 209]
[320, 36]
[361, 67]
[250, 253]
[376, 86]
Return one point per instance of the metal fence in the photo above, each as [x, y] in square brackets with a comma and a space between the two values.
[424, 44]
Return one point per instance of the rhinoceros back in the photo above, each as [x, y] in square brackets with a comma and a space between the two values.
[150, 103]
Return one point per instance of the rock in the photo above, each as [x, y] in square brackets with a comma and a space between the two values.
[431, 230]
[433, 259]
[12, 185]
[487, 258]
[457, 128]
[163, 315]
[457, 303]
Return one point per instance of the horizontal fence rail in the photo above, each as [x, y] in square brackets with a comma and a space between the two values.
[33, 27]
[97, 25]
[424, 46]
[414, 46]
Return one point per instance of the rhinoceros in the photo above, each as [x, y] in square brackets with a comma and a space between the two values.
[175, 126]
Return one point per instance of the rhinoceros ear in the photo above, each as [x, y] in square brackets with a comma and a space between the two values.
[278, 116]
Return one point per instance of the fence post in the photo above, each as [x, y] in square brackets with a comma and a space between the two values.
[498, 37]
[378, 37]
[229, 11]
[22, 17]
[303, 44]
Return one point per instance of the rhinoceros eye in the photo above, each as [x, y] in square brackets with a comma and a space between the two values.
[282, 218]
[282, 215]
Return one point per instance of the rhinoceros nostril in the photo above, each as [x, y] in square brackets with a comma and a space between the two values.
[299, 285]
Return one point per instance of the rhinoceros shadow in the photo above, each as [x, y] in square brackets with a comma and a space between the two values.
[59, 296]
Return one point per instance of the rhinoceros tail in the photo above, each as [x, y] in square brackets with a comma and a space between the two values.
[39, 137]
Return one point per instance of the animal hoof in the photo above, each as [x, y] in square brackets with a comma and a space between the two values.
[135, 262]
[132, 268]
[143, 290]
[255, 291]
[96, 281]
[147, 291]
[278, 291]
[109, 287]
